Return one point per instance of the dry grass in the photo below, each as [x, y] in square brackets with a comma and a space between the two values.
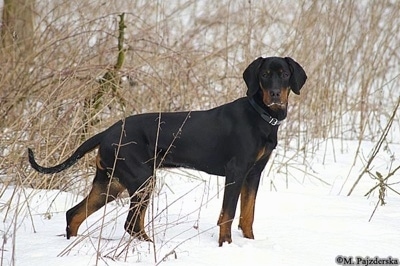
[191, 55]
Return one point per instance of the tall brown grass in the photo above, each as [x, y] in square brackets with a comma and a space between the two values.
[190, 55]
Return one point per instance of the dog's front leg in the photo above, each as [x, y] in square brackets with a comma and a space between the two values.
[248, 196]
[233, 184]
[247, 204]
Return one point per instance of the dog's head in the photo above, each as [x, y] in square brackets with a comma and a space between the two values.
[273, 78]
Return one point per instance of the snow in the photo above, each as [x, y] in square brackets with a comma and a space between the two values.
[298, 221]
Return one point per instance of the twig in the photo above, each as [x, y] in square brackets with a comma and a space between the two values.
[373, 212]
[108, 189]
[386, 178]
[152, 194]
[377, 147]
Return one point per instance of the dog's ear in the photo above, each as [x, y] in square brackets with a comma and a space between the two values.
[298, 76]
[250, 76]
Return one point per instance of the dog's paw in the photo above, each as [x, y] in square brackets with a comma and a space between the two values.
[224, 238]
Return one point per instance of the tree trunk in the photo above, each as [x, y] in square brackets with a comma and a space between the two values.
[17, 26]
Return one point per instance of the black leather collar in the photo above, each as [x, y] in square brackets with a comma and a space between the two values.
[264, 114]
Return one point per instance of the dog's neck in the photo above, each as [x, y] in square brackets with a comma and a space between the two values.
[270, 117]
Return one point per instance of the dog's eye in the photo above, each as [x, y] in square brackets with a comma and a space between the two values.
[285, 75]
[266, 74]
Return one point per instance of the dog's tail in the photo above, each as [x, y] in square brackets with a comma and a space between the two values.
[86, 147]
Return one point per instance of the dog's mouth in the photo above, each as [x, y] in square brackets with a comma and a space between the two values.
[276, 105]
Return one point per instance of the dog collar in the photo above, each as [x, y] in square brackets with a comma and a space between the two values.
[264, 115]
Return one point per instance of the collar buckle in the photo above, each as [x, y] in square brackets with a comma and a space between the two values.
[264, 115]
[274, 121]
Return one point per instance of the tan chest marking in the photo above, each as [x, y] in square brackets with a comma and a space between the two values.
[261, 153]
[98, 162]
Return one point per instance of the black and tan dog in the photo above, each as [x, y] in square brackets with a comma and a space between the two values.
[234, 140]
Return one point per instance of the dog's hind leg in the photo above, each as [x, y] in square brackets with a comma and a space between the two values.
[134, 224]
[103, 191]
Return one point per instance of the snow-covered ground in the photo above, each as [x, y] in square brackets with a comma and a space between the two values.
[299, 220]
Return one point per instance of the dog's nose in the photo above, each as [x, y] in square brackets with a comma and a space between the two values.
[275, 93]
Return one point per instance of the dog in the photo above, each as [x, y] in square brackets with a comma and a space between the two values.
[234, 140]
